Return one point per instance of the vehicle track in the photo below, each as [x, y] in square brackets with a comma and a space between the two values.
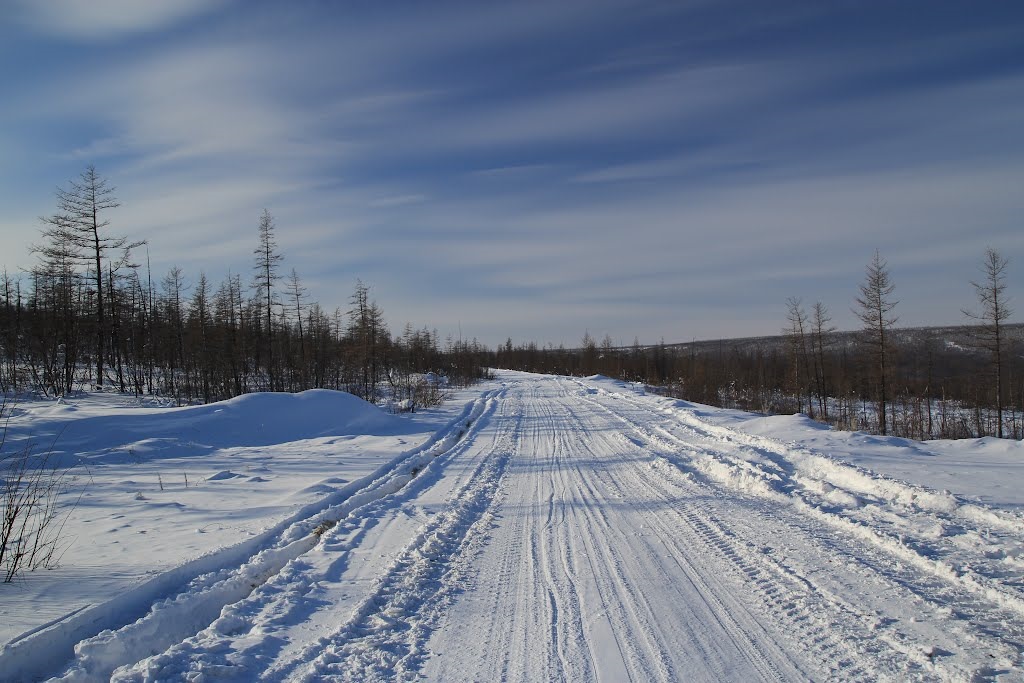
[968, 619]
[198, 604]
[584, 574]
[559, 530]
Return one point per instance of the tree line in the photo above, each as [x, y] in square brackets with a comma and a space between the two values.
[916, 383]
[88, 313]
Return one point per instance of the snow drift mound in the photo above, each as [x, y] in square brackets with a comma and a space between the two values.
[251, 420]
[268, 418]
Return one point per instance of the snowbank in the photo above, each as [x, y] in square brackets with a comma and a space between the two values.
[107, 435]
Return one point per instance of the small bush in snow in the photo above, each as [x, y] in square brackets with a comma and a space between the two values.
[33, 516]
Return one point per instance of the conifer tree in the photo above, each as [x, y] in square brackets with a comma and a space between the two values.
[267, 262]
[875, 305]
[79, 229]
[990, 336]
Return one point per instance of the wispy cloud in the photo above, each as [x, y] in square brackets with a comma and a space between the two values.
[398, 200]
[107, 19]
[212, 102]
[652, 169]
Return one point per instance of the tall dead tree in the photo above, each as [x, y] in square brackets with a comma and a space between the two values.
[874, 308]
[821, 331]
[56, 298]
[296, 291]
[797, 333]
[79, 224]
[991, 292]
[174, 287]
[365, 337]
[267, 262]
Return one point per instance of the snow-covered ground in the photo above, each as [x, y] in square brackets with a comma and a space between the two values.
[990, 470]
[534, 528]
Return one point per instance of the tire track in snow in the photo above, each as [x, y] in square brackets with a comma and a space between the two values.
[238, 640]
[888, 513]
[780, 595]
[635, 626]
[556, 447]
[727, 613]
[970, 628]
[383, 639]
[600, 496]
[823, 644]
[538, 549]
[561, 491]
[828, 601]
[851, 636]
[540, 601]
[901, 519]
[607, 568]
[983, 611]
[573, 650]
[497, 637]
[173, 618]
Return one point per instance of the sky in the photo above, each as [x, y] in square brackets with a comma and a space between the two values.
[536, 170]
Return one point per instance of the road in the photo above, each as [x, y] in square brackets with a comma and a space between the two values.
[569, 530]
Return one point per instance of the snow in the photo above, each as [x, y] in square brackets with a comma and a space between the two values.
[533, 528]
[988, 470]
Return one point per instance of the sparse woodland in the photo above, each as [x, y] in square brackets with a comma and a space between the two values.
[925, 383]
[91, 313]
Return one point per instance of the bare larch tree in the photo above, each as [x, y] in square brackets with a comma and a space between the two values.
[797, 331]
[989, 336]
[79, 225]
[267, 262]
[875, 305]
[821, 331]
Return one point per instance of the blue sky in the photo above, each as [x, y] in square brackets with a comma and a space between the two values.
[657, 170]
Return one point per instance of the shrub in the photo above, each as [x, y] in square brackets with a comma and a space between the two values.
[31, 530]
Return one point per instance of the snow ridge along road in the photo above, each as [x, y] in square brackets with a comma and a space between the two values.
[577, 530]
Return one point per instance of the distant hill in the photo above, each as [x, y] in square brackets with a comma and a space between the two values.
[952, 338]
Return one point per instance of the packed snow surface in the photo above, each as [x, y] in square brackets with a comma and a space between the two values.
[535, 528]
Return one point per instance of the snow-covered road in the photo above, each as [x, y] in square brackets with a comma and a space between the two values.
[637, 543]
[563, 529]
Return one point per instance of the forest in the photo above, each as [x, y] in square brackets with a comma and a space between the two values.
[88, 313]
